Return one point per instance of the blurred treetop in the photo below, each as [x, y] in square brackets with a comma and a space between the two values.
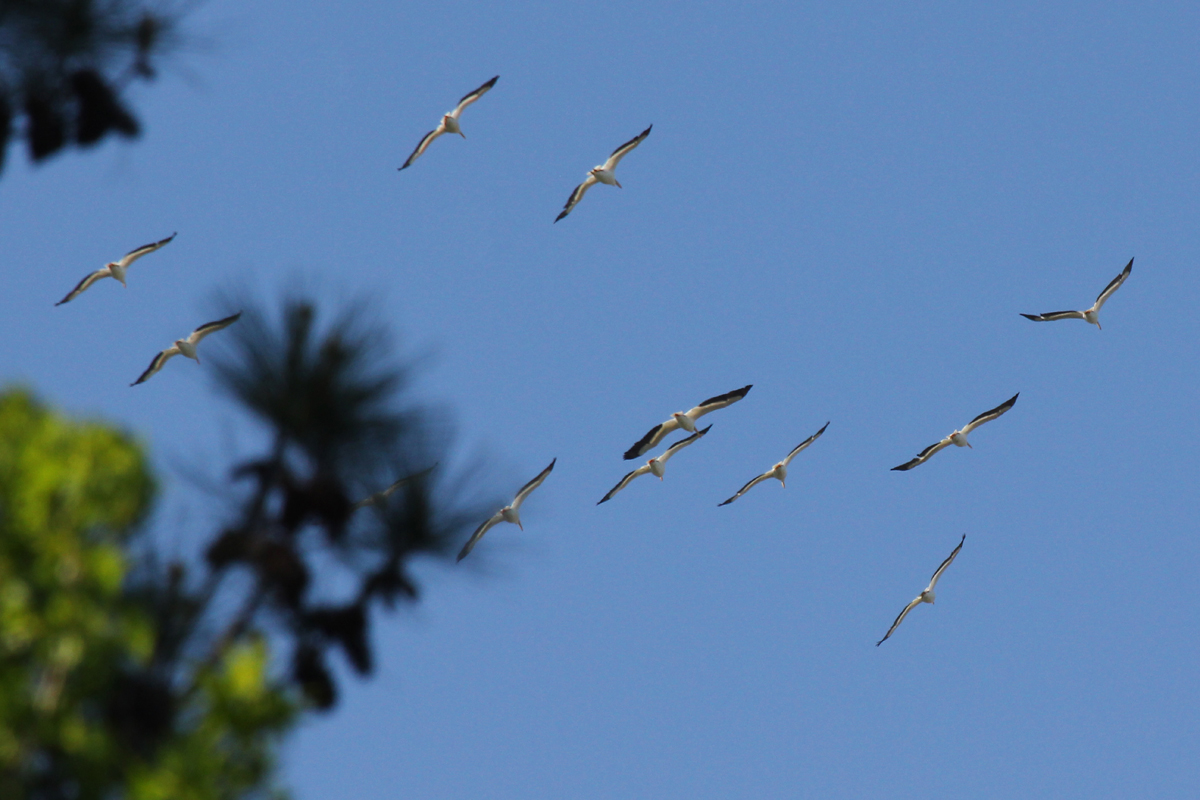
[64, 64]
[123, 677]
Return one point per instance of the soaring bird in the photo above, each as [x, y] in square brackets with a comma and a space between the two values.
[656, 465]
[510, 513]
[1090, 315]
[779, 471]
[449, 123]
[115, 269]
[185, 347]
[684, 419]
[603, 173]
[925, 596]
[383, 494]
[959, 438]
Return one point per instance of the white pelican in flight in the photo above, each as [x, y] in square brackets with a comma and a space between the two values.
[958, 438]
[779, 471]
[925, 596]
[449, 123]
[185, 347]
[684, 419]
[1089, 315]
[510, 513]
[383, 494]
[115, 269]
[603, 173]
[656, 465]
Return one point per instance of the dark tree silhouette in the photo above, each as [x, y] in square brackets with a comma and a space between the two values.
[64, 64]
[328, 403]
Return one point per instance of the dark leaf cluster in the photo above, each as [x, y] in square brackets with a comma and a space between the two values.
[65, 63]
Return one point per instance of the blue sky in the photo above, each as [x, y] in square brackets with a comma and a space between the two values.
[847, 208]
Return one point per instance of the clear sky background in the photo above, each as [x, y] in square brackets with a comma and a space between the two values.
[847, 208]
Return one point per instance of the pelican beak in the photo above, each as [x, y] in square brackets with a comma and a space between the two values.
[460, 133]
[969, 445]
[519, 525]
[618, 183]
[784, 484]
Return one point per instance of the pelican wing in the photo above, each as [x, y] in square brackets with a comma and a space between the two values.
[1113, 285]
[916, 601]
[988, 416]
[720, 401]
[624, 149]
[103, 272]
[156, 364]
[478, 534]
[938, 572]
[422, 145]
[642, 470]
[533, 484]
[212, 327]
[577, 195]
[651, 439]
[134, 255]
[682, 443]
[804, 444]
[754, 482]
[1053, 315]
[385, 493]
[471, 97]
[923, 456]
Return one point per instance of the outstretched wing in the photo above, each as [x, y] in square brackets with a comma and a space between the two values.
[624, 149]
[988, 416]
[156, 364]
[103, 272]
[754, 482]
[471, 97]
[651, 439]
[478, 534]
[804, 444]
[576, 196]
[720, 401]
[1053, 315]
[135, 254]
[212, 327]
[1114, 285]
[923, 456]
[938, 572]
[533, 484]
[916, 601]
[642, 470]
[682, 443]
[423, 144]
[385, 493]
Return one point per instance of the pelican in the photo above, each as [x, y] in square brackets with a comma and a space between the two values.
[510, 513]
[684, 419]
[115, 269]
[779, 471]
[382, 495]
[185, 347]
[925, 596]
[449, 123]
[602, 173]
[656, 465]
[959, 438]
[1091, 314]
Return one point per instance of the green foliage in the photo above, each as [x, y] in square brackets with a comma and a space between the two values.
[88, 709]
